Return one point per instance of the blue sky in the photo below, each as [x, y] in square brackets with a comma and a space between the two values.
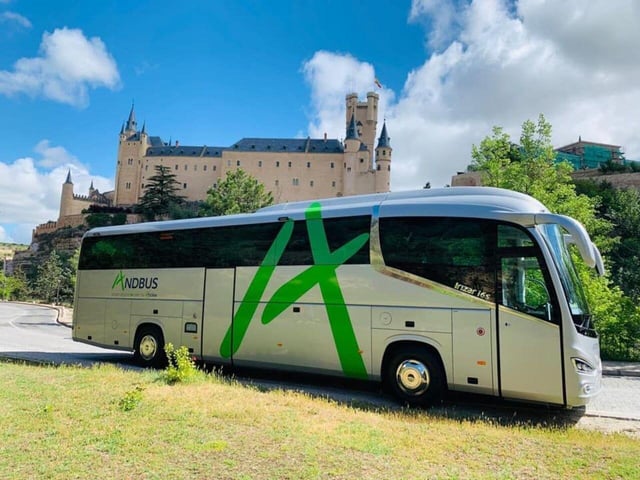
[205, 72]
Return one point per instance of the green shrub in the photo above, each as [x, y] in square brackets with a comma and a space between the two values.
[131, 399]
[181, 366]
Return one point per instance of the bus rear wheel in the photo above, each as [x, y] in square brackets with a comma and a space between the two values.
[415, 377]
[149, 347]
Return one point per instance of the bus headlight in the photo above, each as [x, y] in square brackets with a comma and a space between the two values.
[582, 366]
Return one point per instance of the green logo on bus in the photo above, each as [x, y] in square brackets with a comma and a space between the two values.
[148, 283]
[322, 273]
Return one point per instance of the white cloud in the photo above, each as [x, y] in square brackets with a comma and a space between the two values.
[330, 76]
[440, 18]
[5, 237]
[15, 18]
[54, 156]
[31, 196]
[67, 66]
[576, 62]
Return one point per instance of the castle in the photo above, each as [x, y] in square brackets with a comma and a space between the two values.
[292, 169]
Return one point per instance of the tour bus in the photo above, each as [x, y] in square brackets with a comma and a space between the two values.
[468, 289]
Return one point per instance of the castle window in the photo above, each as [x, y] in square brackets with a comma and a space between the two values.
[311, 183]
[260, 163]
[184, 185]
[296, 181]
[130, 161]
[333, 184]
[378, 167]
[127, 185]
[195, 168]
[214, 168]
[205, 168]
[349, 169]
[176, 167]
[185, 168]
[332, 165]
[345, 164]
[388, 168]
[289, 164]
[277, 182]
[308, 164]
[238, 163]
[277, 164]
[362, 160]
[384, 152]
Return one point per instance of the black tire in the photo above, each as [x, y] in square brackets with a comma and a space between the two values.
[149, 347]
[415, 376]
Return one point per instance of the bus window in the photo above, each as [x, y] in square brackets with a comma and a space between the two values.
[523, 287]
[456, 252]
[338, 231]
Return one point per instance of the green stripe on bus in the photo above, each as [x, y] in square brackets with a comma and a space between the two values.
[323, 274]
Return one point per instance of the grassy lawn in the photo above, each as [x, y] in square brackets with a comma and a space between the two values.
[104, 422]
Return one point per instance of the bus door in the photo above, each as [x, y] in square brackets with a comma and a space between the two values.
[529, 335]
[218, 311]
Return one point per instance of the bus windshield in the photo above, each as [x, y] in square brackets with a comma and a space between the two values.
[569, 278]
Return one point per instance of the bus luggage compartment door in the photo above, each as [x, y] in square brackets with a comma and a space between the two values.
[472, 351]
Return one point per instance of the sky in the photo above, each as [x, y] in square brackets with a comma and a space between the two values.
[211, 73]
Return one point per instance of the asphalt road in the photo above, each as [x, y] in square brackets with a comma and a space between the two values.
[31, 333]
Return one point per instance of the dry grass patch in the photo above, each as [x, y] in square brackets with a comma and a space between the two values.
[104, 422]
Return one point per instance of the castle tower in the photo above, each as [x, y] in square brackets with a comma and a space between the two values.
[66, 198]
[383, 161]
[132, 147]
[352, 151]
[366, 116]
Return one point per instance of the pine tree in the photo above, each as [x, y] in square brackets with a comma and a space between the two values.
[160, 194]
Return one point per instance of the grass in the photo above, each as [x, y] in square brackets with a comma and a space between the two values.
[104, 422]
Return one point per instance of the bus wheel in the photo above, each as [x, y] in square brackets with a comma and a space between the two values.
[415, 376]
[149, 347]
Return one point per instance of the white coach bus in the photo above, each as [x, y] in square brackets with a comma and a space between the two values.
[466, 289]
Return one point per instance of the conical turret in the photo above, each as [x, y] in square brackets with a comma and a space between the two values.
[132, 125]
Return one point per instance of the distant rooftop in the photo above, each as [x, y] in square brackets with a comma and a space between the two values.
[292, 145]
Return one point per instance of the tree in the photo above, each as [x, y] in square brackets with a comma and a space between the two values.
[530, 167]
[72, 267]
[49, 279]
[622, 208]
[160, 194]
[239, 192]
[14, 287]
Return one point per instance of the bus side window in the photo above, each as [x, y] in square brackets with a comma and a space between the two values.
[457, 252]
[524, 288]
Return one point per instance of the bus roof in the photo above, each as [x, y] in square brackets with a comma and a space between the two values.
[468, 202]
[481, 202]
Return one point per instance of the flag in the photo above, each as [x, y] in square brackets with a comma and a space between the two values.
[377, 82]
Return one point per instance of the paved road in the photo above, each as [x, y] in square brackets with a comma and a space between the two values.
[30, 332]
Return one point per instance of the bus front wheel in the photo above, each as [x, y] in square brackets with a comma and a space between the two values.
[149, 347]
[415, 376]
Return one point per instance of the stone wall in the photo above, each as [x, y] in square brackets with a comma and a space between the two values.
[619, 180]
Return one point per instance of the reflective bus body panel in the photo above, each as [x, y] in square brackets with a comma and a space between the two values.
[341, 318]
